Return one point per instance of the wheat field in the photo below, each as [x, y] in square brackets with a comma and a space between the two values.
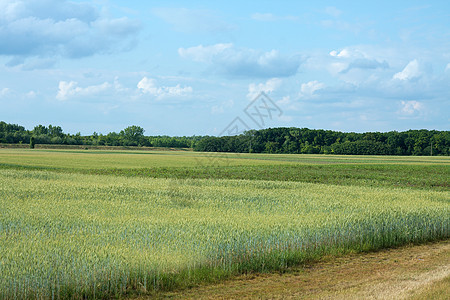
[71, 235]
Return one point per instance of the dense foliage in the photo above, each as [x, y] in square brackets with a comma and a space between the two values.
[309, 141]
[272, 140]
[130, 136]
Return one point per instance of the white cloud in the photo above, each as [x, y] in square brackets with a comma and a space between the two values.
[349, 52]
[65, 89]
[71, 89]
[411, 107]
[308, 89]
[12, 94]
[232, 61]
[149, 86]
[337, 67]
[342, 53]
[411, 71]
[447, 68]
[119, 87]
[363, 63]
[60, 28]
[268, 87]
[202, 53]
[4, 92]
[351, 58]
[31, 94]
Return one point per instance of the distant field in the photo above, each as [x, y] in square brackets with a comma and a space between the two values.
[395, 171]
[96, 159]
[78, 224]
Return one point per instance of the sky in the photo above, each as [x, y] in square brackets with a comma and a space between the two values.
[199, 67]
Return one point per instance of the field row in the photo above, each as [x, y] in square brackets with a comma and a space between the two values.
[78, 235]
[403, 172]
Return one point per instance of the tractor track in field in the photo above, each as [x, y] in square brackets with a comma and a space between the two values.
[418, 272]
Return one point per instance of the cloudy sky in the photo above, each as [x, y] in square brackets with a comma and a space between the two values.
[192, 67]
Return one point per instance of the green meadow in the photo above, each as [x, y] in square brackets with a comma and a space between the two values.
[100, 224]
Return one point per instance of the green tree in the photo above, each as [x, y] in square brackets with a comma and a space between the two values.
[271, 147]
[132, 135]
[55, 131]
[32, 142]
[40, 129]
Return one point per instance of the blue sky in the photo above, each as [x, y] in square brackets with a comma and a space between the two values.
[192, 67]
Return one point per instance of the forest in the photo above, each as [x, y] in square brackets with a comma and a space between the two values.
[317, 141]
[271, 140]
[54, 135]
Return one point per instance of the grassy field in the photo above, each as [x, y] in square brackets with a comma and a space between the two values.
[409, 272]
[77, 224]
[416, 172]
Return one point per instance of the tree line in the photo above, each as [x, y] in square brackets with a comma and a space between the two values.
[311, 141]
[271, 140]
[130, 136]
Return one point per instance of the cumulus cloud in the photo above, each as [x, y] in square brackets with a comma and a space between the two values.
[193, 20]
[202, 53]
[149, 86]
[411, 71]
[232, 61]
[69, 89]
[355, 59]
[364, 63]
[411, 108]
[342, 53]
[308, 89]
[268, 87]
[49, 28]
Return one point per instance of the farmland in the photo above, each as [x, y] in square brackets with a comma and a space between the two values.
[80, 223]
